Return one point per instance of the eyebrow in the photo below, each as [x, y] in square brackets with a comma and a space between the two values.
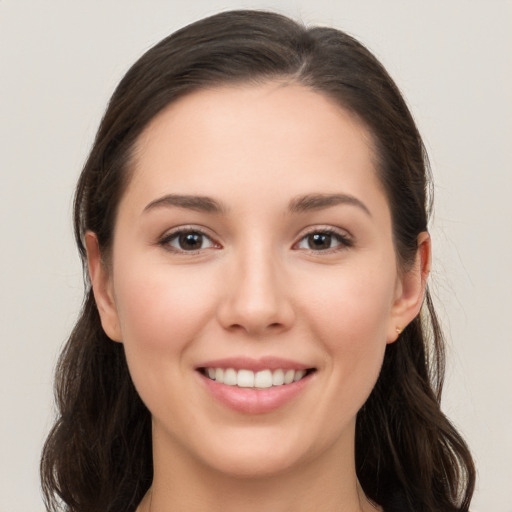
[299, 204]
[319, 201]
[199, 203]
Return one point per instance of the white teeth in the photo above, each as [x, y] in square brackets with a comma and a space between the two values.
[278, 378]
[249, 379]
[298, 375]
[263, 379]
[245, 379]
[230, 377]
[288, 376]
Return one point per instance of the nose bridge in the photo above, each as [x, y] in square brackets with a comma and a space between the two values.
[257, 295]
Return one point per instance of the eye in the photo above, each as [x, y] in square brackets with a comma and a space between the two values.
[187, 240]
[324, 240]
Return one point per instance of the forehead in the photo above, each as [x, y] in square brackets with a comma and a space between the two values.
[266, 138]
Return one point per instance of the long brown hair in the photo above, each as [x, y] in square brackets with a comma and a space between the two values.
[98, 454]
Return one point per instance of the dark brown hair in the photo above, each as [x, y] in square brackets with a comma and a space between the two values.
[98, 454]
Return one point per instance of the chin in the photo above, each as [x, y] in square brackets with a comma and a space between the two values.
[258, 455]
[255, 465]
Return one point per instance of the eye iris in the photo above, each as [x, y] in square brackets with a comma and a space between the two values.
[319, 241]
[190, 241]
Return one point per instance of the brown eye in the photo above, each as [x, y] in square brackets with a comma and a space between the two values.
[188, 241]
[319, 241]
[323, 241]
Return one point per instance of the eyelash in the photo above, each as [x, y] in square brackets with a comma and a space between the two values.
[343, 240]
[166, 240]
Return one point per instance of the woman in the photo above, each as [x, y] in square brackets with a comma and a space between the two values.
[253, 221]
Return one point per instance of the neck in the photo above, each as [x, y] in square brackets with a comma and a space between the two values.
[256, 502]
[326, 483]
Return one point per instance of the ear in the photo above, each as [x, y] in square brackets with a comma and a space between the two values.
[102, 288]
[410, 289]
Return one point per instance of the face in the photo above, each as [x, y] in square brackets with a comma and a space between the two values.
[253, 246]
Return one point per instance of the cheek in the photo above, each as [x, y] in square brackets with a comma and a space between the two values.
[159, 306]
[161, 310]
[354, 303]
[350, 317]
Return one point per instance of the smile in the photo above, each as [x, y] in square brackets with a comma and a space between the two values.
[262, 379]
[255, 386]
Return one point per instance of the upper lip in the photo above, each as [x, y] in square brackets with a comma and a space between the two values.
[256, 365]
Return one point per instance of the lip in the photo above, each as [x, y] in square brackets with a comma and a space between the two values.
[250, 400]
[256, 365]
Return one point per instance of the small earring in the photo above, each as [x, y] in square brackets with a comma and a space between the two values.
[399, 331]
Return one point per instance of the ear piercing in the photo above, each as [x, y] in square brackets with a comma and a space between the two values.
[399, 331]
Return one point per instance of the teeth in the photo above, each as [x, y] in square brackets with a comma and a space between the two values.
[245, 379]
[288, 376]
[298, 375]
[230, 377]
[263, 379]
[249, 379]
[278, 378]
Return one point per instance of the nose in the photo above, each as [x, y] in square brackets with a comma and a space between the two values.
[256, 297]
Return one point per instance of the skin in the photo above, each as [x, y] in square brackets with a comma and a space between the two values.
[255, 287]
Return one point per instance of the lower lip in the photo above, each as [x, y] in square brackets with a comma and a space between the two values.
[255, 401]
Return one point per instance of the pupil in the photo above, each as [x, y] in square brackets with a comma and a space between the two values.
[190, 240]
[320, 241]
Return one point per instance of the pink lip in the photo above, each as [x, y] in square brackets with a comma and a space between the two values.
[256, 365]
[254, 401]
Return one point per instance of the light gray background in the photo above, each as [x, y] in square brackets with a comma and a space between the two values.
[59, 63]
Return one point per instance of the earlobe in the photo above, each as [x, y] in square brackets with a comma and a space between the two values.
[411, 289]
[102, 288]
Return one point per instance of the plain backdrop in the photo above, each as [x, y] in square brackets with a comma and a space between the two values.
[59, 63]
